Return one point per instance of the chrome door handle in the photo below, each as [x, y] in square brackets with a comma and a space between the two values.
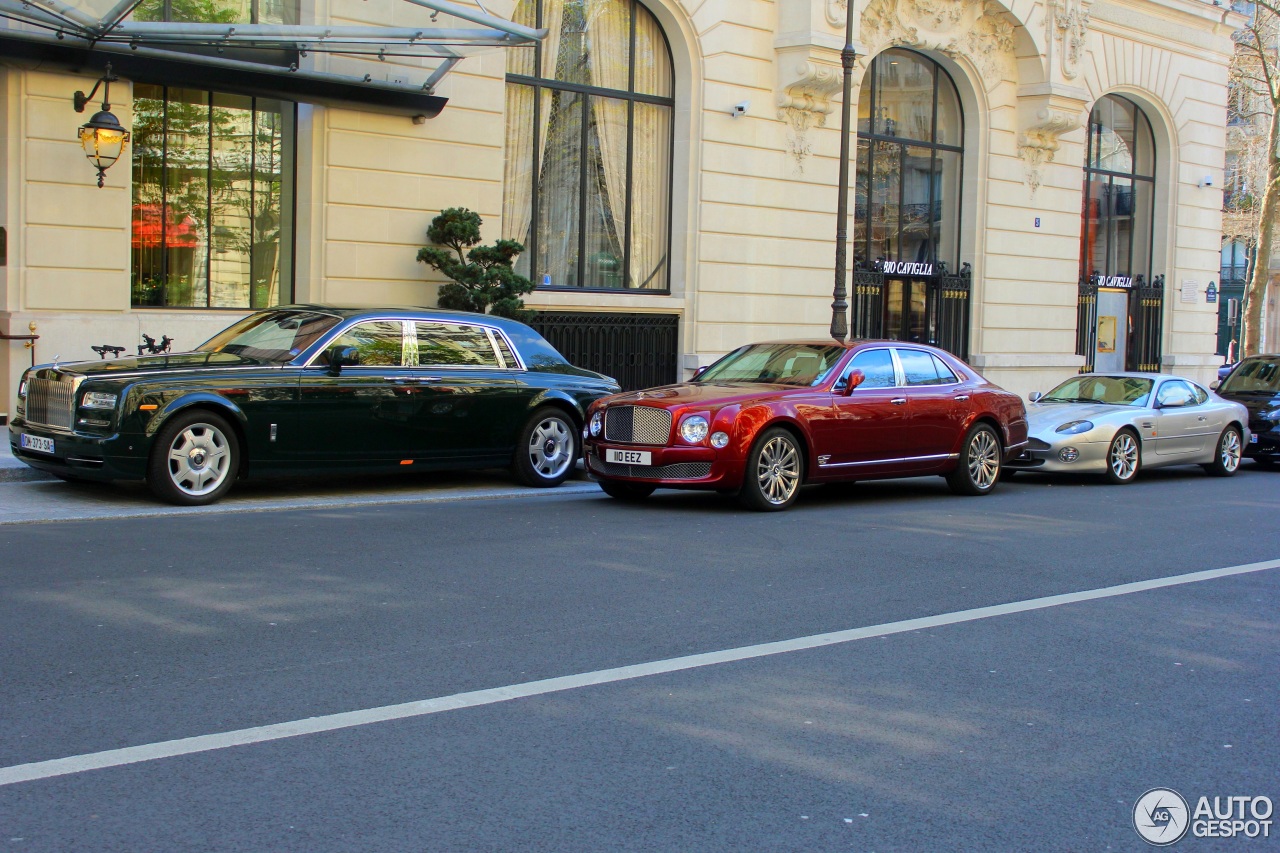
[1203, 418]
[961, 398]
[899, 401]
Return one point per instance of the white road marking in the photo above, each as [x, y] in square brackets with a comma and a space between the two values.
[332, 722]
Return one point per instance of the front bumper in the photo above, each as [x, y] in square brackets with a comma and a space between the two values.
[673, 467]
[1041, 455]
[90, 457]
[1263, 441]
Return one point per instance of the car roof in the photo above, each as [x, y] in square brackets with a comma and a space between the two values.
[412, 312]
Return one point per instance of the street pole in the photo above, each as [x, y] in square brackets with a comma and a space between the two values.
[840, 307]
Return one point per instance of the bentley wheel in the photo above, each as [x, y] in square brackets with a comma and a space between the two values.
[775, 469]
[1124, 458]
[547, 449]
[978, 469]
[624, 491]
[1226, 460]
[194, 460]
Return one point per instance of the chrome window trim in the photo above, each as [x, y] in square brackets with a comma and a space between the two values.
[958, 381]
[342, 328]
[843, 381]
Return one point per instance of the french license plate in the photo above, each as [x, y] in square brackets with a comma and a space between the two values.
[35, 442]
[1253, 438]
[629, 457]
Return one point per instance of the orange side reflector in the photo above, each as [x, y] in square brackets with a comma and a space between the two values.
[406, 461]
[148, 407]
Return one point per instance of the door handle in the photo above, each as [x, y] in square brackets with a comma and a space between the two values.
[401, 379]
[961, 398]
[1203, 418]
[899, 401]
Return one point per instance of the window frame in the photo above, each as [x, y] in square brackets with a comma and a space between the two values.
[1109, 176]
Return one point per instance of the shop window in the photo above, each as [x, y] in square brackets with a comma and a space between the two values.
[589, 147]
[1119, 193]
[212, 199]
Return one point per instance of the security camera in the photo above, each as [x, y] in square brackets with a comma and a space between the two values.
[740, 109]
[1206, 181]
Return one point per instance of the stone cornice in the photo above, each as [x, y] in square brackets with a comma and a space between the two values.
[1163, 26]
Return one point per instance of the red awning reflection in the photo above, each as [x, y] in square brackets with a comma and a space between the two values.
[149, 229]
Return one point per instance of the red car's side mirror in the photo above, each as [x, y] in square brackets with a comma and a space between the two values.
[856, 378]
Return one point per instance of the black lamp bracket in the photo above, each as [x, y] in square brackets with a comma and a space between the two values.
[82, 100]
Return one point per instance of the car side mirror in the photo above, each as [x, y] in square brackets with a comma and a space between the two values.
[699, 371]
[341, 356]
[1034, 396]
[1213, 386]
[856, 378]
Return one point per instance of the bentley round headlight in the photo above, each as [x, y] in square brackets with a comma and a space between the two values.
[694, 429]
[1075, 427]
[719, 439]
[597, 424]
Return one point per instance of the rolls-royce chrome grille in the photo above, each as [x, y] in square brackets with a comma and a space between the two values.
[51, 402]
[637, 424]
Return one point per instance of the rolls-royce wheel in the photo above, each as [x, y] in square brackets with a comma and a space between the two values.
[1124, 458]
[547, 449]
[194, 460]
[775, 469]
[624, 491]
[978, 469]
[1226, 461]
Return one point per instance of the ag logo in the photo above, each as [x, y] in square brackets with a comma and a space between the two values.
[1160, 816]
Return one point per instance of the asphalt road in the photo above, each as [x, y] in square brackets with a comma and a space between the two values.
[1031, 730]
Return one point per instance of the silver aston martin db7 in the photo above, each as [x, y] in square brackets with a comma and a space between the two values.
[1117, 423]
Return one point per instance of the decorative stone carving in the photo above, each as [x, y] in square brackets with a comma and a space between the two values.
[982, 32]
[1045, 113]
[1069, 27]
[807, 86]
[836, 12]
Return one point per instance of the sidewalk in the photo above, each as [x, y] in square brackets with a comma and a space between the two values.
[12, 469]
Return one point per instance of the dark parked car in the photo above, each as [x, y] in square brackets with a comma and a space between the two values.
[306, 388]
[769, 417]
[1255, 384]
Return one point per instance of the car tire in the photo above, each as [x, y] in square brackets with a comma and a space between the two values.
[194, 460]
[981, 459]
[1227, 454]
[547, 449]
[1124, 458]
[774, 472]
[629, 492]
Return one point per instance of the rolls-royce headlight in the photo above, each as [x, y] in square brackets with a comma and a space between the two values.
[597, 424]
[694, 429]
[22, 388]
[1074, 427]
[99, 400]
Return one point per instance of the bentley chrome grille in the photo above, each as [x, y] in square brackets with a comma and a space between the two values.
[51, 402]
[637, 424]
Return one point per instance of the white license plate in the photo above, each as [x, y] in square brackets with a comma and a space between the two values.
[629, 457]
[35, 442]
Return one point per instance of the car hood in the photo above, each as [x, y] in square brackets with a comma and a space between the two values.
[711, 395]
[1041, 416]
[1256, 402]
[158, 364]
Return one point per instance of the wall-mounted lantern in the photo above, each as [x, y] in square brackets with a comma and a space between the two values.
[102, 137]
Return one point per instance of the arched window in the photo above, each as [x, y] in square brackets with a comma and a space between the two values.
[589, 144]
[1119, 192]
[910, 138]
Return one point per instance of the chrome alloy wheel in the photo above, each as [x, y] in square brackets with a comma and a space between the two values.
[1123, 457]
[1229, 451]
[778, 471]
[984, 460]
[199, 459]
[551, 447]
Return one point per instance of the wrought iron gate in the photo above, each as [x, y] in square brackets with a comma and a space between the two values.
[1087, 321]
[1146, 315]
[638, 350]
[947, 304]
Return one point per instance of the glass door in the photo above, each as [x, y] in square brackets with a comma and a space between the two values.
[906, 310]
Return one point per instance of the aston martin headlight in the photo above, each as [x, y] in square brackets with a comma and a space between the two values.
[597, 424]
[99, 400]
[694, 429]
[1074, 427]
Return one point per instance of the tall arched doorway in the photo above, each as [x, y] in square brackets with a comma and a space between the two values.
[1121, 300]
[908, 284]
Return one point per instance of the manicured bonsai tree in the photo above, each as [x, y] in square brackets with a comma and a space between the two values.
[483, 278]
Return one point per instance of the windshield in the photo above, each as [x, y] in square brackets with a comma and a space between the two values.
[802, 365]
[1114, 390]
[276, 336]
[1254, 374]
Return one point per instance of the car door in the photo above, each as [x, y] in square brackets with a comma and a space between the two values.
[358, 414]
[937, 405]
[1182, 420]
[865, 434]
[470, 406]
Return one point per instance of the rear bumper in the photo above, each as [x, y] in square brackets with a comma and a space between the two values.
[673, 467]
[111, 457]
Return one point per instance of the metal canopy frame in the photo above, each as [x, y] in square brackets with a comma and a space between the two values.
[111, 32]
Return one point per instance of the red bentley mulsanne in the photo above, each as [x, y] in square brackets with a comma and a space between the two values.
[769, 417]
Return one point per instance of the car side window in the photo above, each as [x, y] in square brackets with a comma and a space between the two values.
[946, 376]
[918, 368]
[454, 345]
[876, 365]
[1201, 395]
[1175, 394]
[380, 343]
